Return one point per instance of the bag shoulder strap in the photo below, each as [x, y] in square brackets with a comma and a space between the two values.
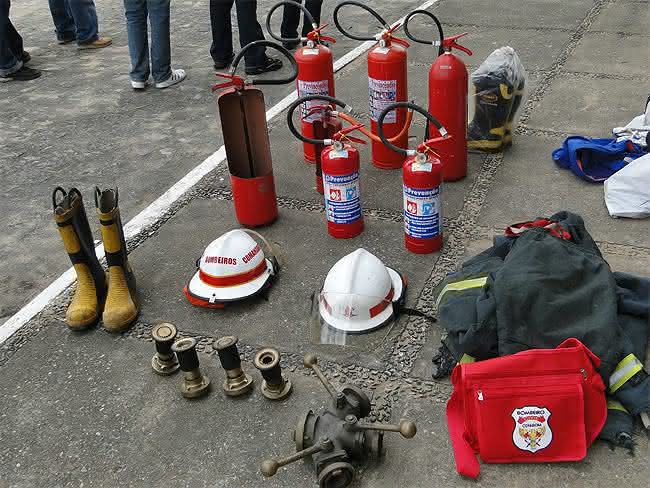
[464, 455]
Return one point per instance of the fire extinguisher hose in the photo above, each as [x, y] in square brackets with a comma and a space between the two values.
[424, 41]
[411, 106]
[373, 12]
[308, 17]
[275, 81]
[292, 108]
[343, 116]
[407, 124]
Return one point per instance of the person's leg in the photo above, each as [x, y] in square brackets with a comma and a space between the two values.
[136, 28]
[314, 7]
[290, 21]
[63, 21]
[11, 50]
[85, 18]
[160, 43]
[9, 61]
[250, 31]
[221, 49]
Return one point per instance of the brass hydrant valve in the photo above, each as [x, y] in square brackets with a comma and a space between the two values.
[337, 439]
[237, 382]
[275, 385]
[164, 362]
[195, 384]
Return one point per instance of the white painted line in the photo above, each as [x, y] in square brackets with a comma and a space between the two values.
[154, 212]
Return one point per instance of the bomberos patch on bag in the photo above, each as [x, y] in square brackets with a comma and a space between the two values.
[532, 431]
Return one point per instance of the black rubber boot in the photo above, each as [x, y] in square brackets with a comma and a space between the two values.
[516, 104]
[494, 101]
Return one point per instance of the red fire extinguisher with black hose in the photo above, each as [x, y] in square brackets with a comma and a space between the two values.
[447, 97]
[340, 166]
[422, 178]
[387, 83]
[246, 138]
[315, 69]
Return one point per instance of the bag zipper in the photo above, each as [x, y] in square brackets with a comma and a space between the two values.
[480, 395]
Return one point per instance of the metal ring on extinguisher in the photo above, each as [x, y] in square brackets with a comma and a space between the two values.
[286, 3]
[307, 98]
[374, 13]
[412, 106]
[277, 47]
[424, 41]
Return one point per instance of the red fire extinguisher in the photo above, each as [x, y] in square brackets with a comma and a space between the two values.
[422, 178]
[245, 136]
[340, 166]
[387, 83]
[315, 70]
[448, 97]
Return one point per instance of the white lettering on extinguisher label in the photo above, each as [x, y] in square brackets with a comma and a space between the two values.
[342, 199]
[381, 94]
[312, 88]
[422, 215]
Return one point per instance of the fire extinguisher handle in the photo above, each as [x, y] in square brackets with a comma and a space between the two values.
[412, 106]
[308, 17]
[277, 47]
[373, 12]
[307, 98]
[424, 41]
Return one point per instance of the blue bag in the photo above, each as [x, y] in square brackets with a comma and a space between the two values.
[595, 160]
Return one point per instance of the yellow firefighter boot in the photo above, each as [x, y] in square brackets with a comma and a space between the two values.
[121, 308]
[70, 217]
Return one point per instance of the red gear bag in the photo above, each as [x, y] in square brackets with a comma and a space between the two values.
[540, 405]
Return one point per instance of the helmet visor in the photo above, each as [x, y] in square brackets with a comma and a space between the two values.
[351, 320]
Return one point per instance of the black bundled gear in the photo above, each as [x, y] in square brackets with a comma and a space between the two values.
[536, 290]
[499, 87]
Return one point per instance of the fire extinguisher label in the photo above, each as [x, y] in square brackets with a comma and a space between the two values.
[342, 199]
[422, 212]
[381, 94]
[312, 88]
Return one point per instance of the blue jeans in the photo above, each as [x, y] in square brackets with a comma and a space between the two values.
[11, 44]
[75, 19]
[137, 12]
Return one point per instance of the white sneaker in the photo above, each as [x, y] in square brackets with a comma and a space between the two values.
[177, 76]
[140, 85]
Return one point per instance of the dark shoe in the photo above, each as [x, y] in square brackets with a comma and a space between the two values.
[66, 40]
[25, 57]
[224, 64]
[290, 46]
[271, 64]
[23, 74]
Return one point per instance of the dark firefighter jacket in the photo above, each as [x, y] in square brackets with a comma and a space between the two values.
[538, 288]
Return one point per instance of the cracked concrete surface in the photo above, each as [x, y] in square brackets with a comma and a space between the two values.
[85, 409]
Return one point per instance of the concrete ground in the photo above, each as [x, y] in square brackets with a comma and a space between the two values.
[85, 409]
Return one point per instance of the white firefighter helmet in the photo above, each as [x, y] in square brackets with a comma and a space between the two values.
[360, 293]
[233, 267]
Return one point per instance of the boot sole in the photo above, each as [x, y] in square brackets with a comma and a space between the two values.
[122, 327]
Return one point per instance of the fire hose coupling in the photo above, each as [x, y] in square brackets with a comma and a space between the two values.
[313, 36]
[195, 384]
[423, 147]
[444, 44]
[164, 362]
[237, 382]
[239, 83]
[275, 385]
